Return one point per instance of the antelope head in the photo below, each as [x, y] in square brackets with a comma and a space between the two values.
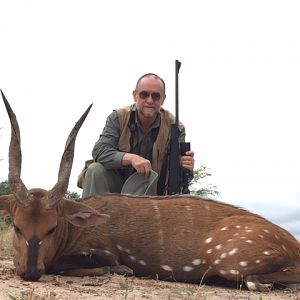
[37, 213]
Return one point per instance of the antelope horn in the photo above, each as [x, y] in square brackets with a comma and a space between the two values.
[60, 188]
[16, 185]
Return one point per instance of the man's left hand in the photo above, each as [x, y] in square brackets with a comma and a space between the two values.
[187, 161]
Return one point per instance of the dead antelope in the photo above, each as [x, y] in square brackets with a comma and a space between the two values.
[182, 238]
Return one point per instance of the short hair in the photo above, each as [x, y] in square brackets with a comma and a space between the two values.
[151, 74]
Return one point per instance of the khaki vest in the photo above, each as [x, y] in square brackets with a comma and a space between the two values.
[160, 146]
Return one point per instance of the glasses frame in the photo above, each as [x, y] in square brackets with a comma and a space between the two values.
[156, 96]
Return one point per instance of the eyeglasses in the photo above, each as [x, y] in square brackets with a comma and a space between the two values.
[155, 96]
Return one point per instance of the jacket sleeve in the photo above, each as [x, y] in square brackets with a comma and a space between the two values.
[106, 150]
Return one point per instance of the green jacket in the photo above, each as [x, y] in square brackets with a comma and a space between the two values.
[117, 138]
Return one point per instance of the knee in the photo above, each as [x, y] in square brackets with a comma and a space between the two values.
[95, 170]
[94, 180]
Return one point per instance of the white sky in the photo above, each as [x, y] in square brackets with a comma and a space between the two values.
[239, 86]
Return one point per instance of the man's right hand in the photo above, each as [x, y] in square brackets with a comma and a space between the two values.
[140, 164]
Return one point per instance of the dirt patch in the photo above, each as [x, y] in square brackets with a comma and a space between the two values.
[52, 287]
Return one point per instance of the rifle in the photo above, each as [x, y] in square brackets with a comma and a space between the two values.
[178, 176]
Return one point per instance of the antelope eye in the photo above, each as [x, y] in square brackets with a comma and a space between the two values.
[17, 230]
[51, 231]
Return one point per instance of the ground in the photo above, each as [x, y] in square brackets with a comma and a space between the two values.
[52, 287]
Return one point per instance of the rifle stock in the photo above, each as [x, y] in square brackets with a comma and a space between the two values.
[178, 176]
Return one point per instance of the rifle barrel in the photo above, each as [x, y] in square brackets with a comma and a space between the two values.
[177, 67]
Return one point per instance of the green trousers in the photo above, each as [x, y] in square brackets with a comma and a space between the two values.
[98, 180]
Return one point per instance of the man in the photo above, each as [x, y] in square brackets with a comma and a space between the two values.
[135, 139]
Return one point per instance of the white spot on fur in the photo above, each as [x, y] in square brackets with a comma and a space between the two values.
[266, 231]
[223, 255]
[207, 241]
[209, 251]
[133, 258]
[237, 226]
[242, 237]
[276, 236]
[267, 253]
[234, 272]
[142, 262]
[249, 230]
[40, 243]
[285, 270]
[187, 207]
[249, 241]
[236, 234]
[261, 236]
[188, 268]
[203, 261]
[127, 251]
[257, 261]
[223, 272]
[218, 247]
[167, 268]
[224, 228]
[217, 261]
[105, 251]
[243, 263]
[155, 207]
[233, 251]
[196, 262]
[120, 247]
[229, 240]
[284, 248]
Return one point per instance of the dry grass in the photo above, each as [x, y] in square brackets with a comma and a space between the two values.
[32, 295]
[6, 248]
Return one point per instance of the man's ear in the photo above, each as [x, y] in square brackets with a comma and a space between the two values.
[163, 99]
[134, 95]
[82, 215]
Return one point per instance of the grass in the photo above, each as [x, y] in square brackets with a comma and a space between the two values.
[6, 248]
[124, 285]
[31, 295]
[182, 291]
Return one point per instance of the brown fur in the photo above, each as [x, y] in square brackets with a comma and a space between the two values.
[182, 238]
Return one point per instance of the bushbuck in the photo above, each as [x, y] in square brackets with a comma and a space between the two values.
[181, 238]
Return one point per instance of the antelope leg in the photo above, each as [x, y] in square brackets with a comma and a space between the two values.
[80, 272]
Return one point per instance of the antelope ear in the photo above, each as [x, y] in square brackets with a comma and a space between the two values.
[82, 215]
[5, 204]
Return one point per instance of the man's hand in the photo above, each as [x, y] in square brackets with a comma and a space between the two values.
[187, 161]
[140, 164]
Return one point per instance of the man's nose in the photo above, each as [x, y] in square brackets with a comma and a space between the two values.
[149, 99]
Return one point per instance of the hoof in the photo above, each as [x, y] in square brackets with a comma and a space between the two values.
[253, 284]
[293, 286]
[121, 270]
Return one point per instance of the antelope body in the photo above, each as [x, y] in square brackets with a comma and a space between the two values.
[182, 238]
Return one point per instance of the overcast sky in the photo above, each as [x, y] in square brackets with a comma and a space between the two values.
[239, 86]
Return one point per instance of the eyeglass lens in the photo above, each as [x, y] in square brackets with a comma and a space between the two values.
[155, 96]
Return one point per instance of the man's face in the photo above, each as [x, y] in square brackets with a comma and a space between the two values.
[149, 97]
